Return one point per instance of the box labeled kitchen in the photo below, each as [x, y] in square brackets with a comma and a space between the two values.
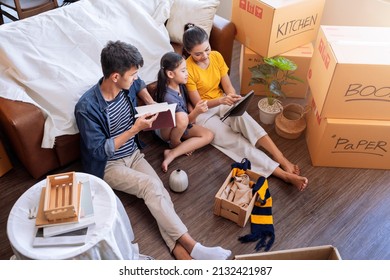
[349, 72]
[301, 56]
[271, 28]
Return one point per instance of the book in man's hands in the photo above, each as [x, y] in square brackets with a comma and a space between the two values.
[166, 114]
[240, 107]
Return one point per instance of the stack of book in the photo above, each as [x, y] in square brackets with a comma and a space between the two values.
[70, 231]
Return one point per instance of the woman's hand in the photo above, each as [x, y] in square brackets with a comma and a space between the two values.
[230, 99]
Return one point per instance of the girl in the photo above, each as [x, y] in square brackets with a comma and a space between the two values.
[171, 81]
[237, 137]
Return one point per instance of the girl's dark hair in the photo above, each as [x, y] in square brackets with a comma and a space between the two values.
[169, 62]
[119, 57]
[193, 35]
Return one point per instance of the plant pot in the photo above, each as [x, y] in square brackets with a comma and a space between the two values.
[291, 122]
[267, 113]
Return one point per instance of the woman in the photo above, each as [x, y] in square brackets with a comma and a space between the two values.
[237, 137]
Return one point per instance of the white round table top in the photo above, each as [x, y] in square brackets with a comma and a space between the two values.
[21, 230]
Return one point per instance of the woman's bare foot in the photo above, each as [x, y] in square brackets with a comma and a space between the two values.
[168, 158]
[289, 167]
[297, 181]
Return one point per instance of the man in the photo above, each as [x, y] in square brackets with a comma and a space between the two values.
[110, 146]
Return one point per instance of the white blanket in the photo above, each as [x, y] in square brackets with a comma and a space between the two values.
[50, 60]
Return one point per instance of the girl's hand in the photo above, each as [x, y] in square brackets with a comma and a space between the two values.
[201, 106]
[230, 99]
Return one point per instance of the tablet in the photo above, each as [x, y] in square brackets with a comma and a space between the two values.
[240, 107]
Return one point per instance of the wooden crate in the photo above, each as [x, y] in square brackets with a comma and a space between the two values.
[231, 211]
[61, 196]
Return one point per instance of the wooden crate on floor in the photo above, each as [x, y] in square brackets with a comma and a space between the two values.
[230, 210]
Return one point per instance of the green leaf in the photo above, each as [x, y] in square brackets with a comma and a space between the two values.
[281, 63]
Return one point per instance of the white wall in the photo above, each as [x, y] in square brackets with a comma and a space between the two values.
[357, 12]
[225, 9]
[341, 12]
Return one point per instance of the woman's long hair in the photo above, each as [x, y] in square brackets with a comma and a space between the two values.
[193, 35]
[169, 62]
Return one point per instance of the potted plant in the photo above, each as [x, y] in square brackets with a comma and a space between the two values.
[274, 73]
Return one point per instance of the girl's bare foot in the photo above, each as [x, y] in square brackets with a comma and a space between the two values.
[168, 158]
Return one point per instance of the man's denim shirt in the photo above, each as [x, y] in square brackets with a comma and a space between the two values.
[92, 119]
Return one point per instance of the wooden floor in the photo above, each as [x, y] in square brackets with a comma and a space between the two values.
[346, 208]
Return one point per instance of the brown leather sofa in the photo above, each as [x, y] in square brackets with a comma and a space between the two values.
[22, 123]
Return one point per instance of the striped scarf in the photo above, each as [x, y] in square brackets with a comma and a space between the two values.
[262, 228]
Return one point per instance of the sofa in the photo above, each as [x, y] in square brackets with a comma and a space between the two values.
[26, 115]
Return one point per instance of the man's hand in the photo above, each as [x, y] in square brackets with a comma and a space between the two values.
[145, 121]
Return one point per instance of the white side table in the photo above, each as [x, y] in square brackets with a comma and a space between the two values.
[110, 238]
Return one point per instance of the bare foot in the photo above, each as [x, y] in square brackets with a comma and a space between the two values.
[297, 181]
[190, 153]
[168, 158]
[290, 167]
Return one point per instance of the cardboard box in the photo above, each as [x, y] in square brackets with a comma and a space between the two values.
[301, 56]
[347, 142]
[5, 163]
[326, 252]
[349, 72]
[231, 211]
[272, 27]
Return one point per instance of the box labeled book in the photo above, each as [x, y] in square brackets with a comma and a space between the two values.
[349, 72]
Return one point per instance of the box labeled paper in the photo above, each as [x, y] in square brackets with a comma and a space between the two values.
[325, 252]
[301, 56]
[351, 143]
[349, 72]
[5, 163]
[272, 27]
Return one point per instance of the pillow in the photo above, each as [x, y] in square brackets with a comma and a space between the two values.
[198, 12]
[159, 10]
